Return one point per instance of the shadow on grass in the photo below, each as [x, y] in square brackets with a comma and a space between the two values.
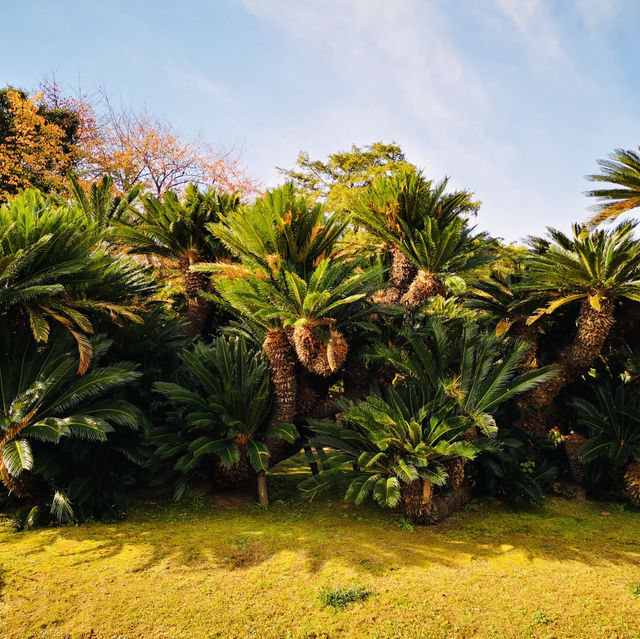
[203, 536]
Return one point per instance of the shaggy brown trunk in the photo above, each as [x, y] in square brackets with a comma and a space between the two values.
[337, 350]
[242, 472]
[593, 329]
[282, 364]
[24, 487]
[456, 470]
[21, 487]
[422, 506]
[306, 343]
[520, 329]
[198, 308]
[632, 481]
[390, 295]
[402, 272]
[572, 443]
[424, 286]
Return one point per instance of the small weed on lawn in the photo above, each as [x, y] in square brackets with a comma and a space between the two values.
[340, 598]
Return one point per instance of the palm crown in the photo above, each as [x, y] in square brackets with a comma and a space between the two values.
[427, 231]
[622, 171]
[53, 268]
[176, 231]
[281, 228]
[596, 266]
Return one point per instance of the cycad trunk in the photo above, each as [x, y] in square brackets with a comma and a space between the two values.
[424, 286]
[402, 272]
[593, 329]
[198, 308]
[312, 352]
[572, 444]
[282, 364]
[520, 329]
[632, 481]
[240, 473]
[23, 487]
[421, 505]
[337, 350]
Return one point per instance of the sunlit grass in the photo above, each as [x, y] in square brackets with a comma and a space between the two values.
[200, 570]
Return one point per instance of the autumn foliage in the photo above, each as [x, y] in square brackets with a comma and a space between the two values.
[45, 137]
[33, 150]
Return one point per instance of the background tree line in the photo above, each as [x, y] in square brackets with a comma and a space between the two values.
[160, 325]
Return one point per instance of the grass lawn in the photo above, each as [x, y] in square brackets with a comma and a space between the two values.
[206, 570]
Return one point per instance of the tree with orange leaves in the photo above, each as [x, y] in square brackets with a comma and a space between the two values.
[137, 147]
[35, 143]
[46, 137]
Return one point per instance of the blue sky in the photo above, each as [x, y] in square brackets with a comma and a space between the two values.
[514, 99]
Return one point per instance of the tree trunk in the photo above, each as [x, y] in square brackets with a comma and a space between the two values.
[337, 349]
[593, 329]
[402, 272]
[421, 504]
[282, 364]
[632, 481]
[424, 286]
[198, 308]
[240, 473]
[23, 487]
[263, 495]
[572, 444]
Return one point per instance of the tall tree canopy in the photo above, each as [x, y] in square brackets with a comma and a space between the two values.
[36, 143]
[346, 173]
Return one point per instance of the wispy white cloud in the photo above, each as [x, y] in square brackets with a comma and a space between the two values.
[400, 71]
[534, 29]
[597, 14]
[402, 78]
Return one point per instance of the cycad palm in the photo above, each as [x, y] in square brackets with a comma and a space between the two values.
[176, 231]
[42, 398]
[438, 416]
[280, 229]
[593, 267]
[425, 229]
[622, 172]
[99, 201]
[223, 402]
[400, 445]
[290, 287]
[54, 269]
